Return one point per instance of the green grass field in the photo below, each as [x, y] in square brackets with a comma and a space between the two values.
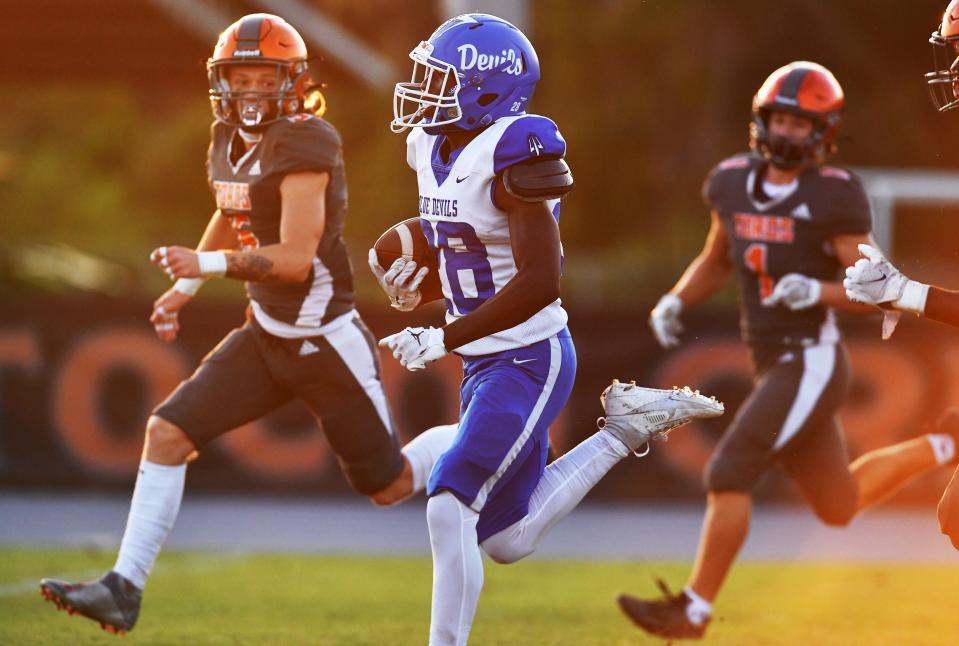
[301, 599]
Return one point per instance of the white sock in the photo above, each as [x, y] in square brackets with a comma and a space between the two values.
[617, 444]
[561, 488]
[698, 609]
[424, 449]
[943, 445]
[457, 569]
[156, 501]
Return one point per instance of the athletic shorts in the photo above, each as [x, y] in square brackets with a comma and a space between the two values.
[251, 373]
[507, 402]
[789, 418]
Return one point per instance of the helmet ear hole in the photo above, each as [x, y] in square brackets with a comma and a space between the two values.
[487, 98]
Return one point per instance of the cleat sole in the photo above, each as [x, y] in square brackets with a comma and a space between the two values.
[49, 596]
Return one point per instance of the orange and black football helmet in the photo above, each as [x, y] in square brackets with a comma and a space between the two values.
[259, 39]
[943, 81]
[806, 89]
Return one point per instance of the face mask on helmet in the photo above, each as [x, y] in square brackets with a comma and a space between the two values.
[473, 70]
[253, 95]
[804, 89]
[786, 152]
[943, 82]
[430, 98]
[258, 72]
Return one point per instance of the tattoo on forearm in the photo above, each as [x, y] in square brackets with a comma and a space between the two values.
[255, 268]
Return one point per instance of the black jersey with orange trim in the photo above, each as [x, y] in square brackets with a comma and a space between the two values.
[769, 238]
[247, 190]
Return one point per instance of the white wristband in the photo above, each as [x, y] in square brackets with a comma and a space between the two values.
[913, 297]
[189, 286]
[212, 263]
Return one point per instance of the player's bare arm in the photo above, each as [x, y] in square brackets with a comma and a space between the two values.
[165, 316]
[709, 271]
[535, 240]
[704, 276]
[943, 305]
[301, 227]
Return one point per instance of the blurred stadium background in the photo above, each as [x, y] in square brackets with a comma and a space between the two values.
[103, 136]
[102, 147]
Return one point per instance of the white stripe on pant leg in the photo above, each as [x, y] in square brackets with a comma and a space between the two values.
[555, 364]
[819, 363]
[466, 601]
[355, 351]
[317, 300]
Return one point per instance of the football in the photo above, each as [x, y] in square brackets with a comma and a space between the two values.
[406, 240]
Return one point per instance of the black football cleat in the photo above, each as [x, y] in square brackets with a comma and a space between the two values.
[664, 617]
[112, 601]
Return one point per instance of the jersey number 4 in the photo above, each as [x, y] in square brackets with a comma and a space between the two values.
[755, 258]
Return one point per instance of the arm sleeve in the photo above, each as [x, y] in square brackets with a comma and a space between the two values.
[526, 138]
[850, 212]
[312, 145]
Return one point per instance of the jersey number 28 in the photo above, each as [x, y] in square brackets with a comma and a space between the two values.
[468, 272]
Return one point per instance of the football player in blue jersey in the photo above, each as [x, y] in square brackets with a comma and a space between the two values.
[875, 281]
[490, 180]
[784, 224]
[276, 171]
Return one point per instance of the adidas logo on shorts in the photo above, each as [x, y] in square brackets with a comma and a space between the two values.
[308, 347]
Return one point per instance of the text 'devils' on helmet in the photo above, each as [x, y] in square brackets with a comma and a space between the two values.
[474, 69]
[943, 81]
[805, 89]
[265, 40]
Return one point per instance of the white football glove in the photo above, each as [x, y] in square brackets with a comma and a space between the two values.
[664, 320]
[795, 291]
[401, 281]
[873, 280]
[416, 347]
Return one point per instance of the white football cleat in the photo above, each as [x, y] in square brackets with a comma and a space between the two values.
[636, 414]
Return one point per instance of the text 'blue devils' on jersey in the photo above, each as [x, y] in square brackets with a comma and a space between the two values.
[769, 238]
[468, 232]
[247, 191]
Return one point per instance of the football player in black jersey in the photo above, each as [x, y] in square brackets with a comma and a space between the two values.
[875, 281]
[785, 225]
[276, 171]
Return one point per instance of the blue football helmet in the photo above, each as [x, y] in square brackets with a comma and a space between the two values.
[474, 69]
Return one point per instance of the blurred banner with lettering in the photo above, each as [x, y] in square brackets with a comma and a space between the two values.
[79, 377]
